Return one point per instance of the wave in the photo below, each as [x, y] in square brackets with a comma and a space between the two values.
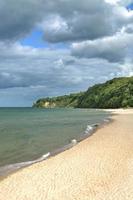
[90, 129]
[107, 120]
[5, 170]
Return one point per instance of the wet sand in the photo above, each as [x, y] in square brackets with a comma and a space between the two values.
[98, 168]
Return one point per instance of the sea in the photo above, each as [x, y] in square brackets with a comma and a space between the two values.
[30, 135]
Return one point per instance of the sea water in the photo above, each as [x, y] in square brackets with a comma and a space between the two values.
[29, 135]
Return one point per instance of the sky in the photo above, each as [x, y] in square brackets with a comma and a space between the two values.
[51, 48]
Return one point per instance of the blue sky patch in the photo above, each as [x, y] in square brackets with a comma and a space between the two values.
[35, 39]
[130, 7]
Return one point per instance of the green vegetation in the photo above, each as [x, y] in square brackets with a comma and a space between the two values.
[115, 93]
[61, 101]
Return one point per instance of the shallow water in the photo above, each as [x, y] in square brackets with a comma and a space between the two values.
[28, 133]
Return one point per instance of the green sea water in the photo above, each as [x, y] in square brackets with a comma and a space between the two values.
[28, 133]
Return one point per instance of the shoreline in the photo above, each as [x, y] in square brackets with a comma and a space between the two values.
[98, 167]
[16, 167]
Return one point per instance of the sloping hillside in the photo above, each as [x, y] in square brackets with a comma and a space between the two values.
[61, 101]
[115, 93]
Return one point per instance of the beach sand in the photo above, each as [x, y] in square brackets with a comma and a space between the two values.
[98, 168]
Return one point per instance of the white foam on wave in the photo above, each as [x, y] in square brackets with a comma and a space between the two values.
[43, 157]
[74, 142]
[89, 129]
[13, 167]
[107, 120]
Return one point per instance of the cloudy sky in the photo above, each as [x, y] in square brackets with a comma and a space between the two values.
[54, 47]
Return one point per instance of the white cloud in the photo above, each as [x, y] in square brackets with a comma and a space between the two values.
[119, 2]
[114, 2]
[67, 20]
[114, 48]
[27, 73]
[126, 69]
[77, 20]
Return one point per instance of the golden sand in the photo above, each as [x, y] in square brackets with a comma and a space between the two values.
[98, 168]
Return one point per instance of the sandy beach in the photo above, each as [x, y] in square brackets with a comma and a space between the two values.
[98, 168]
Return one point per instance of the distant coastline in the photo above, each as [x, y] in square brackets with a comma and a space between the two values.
[116, 93]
